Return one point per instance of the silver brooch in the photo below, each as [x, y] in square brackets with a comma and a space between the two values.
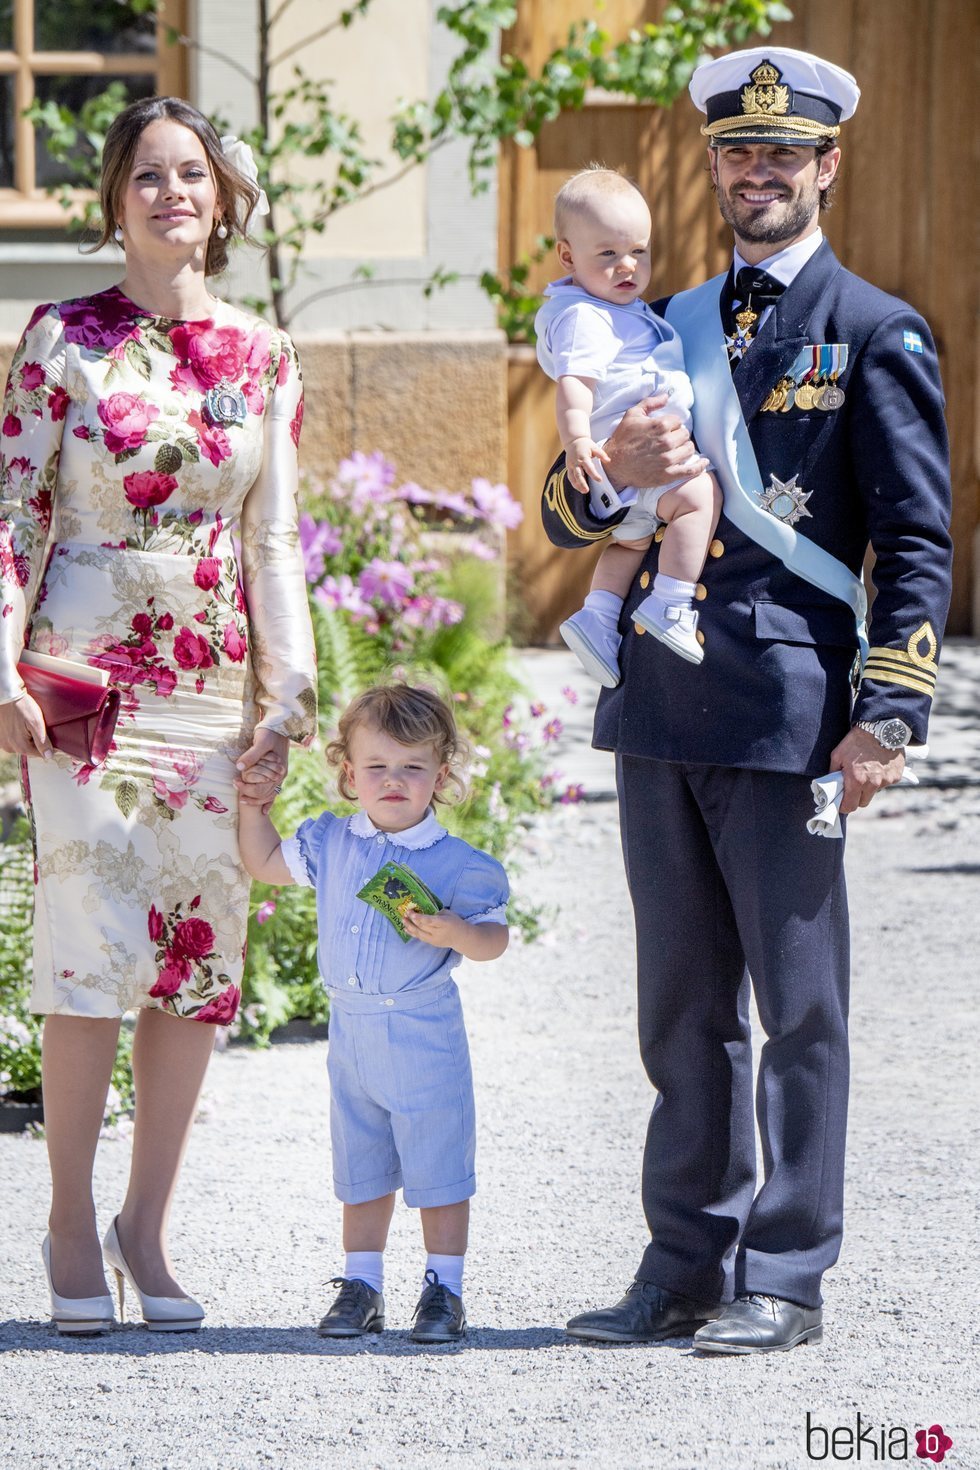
[785, 500]
[226, 405]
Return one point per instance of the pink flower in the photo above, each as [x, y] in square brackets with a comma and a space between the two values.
[570, 694]
[296, 423]
[265, 911]
[165, 622]
[11, 426]
[175, 800]
[193, 938]
[318, 540]
[176, 970]
[552, 730]
[254, 398]
[142, 624]
[148, 487]
[222, 1010]
[364, 478]
[31, 376]
[340, 591]
[234, 644]
[101, 323]
[282, 371]
[572, 794]
[537, 710]
[164, 681]
[58, 401]
[388, 581]
[207, 573]
[212, 804]
[496, 504]
[207, 355]
[258, 356]
[127, 417]
[192, 651]
[211, 437]
[154, 923]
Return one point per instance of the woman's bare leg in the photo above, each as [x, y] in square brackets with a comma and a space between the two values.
[170, 1058]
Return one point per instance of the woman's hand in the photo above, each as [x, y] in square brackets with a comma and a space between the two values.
[22, 729]
[262, 769]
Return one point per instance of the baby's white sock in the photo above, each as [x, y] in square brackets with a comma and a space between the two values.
[449, 1270]
[366, 1266]
[607, 608]
[672, 591]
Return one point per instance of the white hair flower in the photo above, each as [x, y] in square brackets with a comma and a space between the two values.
[241, 157]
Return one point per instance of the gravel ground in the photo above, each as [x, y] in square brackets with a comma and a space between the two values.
[557, 1224]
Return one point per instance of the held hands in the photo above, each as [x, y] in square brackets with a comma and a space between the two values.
[582, 458]
[262, 769]
[867, 768]
[22, 729]
[647, 450]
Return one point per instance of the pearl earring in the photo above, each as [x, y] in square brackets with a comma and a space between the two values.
[117, 235]
[222, 231]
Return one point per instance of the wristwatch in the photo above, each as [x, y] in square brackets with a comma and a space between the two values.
[893, 734]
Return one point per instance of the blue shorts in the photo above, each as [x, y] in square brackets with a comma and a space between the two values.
[401, 1097]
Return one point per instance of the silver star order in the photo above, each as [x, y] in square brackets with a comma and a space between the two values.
[790, 499]
[737, 344]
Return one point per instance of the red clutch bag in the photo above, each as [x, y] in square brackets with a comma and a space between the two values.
[80, 715]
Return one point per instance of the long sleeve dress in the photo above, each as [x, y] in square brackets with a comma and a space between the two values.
[133, 450]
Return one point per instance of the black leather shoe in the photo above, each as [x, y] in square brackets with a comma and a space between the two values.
[439, 1316]
[358, 1309]
[647, 1313]
[756, 1323]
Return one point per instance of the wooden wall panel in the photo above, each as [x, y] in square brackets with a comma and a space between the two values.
[904, 215]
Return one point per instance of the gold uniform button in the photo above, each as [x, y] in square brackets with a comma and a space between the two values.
[645, 580]
[700, 592]
[717, 548]
[699, 635]
[659, 533]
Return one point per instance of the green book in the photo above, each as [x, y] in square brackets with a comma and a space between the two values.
[394, 891]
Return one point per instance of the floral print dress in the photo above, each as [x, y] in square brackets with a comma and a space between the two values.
[136, 452]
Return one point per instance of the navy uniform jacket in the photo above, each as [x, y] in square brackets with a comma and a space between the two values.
[774, 690]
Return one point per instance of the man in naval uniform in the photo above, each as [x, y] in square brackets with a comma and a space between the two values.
[826, 430]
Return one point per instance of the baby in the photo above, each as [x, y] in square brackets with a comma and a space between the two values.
[401, 1105]
[607, 351]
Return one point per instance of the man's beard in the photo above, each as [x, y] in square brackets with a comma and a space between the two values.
[761, 226]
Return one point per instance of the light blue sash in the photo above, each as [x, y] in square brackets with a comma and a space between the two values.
[722, 435]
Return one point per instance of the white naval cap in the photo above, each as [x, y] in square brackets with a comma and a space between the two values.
[772, 94]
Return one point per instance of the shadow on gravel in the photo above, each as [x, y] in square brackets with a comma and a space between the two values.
[133, 1341]
[968, 870]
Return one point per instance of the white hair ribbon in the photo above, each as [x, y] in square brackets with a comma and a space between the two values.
[241, 157]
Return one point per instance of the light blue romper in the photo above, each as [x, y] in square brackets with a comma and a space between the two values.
[401, 1089]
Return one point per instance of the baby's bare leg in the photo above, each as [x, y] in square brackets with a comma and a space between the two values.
[691, 512]
[618, 565]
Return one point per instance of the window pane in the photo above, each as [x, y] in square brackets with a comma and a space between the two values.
[79, 25]
[72, 92]
[6, 132]
[6, 25]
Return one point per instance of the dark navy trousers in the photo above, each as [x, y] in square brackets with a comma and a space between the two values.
[726, 883]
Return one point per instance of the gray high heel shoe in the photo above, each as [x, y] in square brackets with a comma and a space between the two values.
[160, 1313]
[80, 1315]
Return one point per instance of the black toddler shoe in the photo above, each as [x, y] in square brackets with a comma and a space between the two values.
[357, 1309]
[647, 1313]
[439, 1316]
[757, 1323]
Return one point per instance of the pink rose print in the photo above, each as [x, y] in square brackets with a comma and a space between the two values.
[12, 426]
[207, 355]
[233, 643]
[207, 573]
[127, 418]
[282, 372]
[31, 376]
[212, 439]
[100, 323]
[176, 970]
[259, 355]
[222, 1010]
[165, 622]
[933, 1444]
[296, 424]
[254, 398]
[58, 402]
[82, 431]
[193, 938]
[148, 487]
[212, 804]
[192, 651]
[154, 923]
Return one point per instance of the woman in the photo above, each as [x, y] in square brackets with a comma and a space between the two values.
[143, 427]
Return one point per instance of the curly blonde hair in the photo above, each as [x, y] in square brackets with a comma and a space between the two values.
[412, 715]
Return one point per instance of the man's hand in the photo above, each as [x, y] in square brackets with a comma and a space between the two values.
[867, 768]
[647, 451]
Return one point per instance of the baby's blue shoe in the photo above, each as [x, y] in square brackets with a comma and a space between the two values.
[594, 645]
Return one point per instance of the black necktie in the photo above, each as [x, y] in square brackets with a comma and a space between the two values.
[756, 289]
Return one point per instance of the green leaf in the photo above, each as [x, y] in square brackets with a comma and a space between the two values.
[138, 358]
[127, 795]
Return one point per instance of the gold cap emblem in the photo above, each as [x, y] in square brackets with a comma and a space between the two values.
[763, 92]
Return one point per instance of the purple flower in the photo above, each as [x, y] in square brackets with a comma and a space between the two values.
[388, 581]
[494, 503]
[537, 710]
[265, 911]
[552, 730]
[318, 540]
[570, 694]
[415, 495]
[453, 500]
[336, 592]
[364, 478]
[572, 794]
[505, 718]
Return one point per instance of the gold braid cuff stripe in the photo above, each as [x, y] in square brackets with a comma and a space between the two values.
[554, 498]
[805, 127]
[885, 673]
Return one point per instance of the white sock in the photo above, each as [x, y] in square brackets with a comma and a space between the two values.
[672, 591]
[449, 1270]
[366, 1266]
[607, 608]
